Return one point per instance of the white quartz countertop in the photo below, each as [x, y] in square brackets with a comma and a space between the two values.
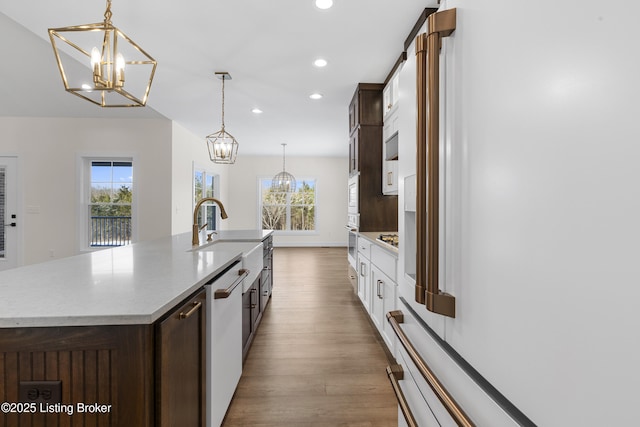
[133, 284]
[241, 235]
[372, 236]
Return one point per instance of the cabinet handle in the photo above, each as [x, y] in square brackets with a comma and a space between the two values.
[195, 307]
[379, 292]
[253, 292]
[389, 178]
[396, 373]
[439, 24]
[225, 293]
[363, 270]
[395, 318]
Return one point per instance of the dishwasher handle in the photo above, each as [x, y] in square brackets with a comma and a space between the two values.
[225, 293]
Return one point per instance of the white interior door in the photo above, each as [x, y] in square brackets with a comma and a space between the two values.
[8, 214]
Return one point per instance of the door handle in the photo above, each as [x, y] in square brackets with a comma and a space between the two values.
[225, 293]
[395, 319]
[11, 224]
[439, 24]
[395, 373]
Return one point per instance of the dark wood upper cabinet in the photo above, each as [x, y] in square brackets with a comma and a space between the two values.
[366, 106]
[377, 211]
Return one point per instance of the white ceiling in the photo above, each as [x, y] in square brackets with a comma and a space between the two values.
[268, 47]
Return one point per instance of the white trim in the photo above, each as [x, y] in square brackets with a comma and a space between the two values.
[308, 244]
[83, 160]
[313, 232]
[13, 200]
[195, 167]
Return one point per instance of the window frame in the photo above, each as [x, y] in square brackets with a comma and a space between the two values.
[288, 231]
[84, 180]
[207, 172]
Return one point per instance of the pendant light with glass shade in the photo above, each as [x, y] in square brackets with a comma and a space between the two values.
[107, 51]
[283, 182]
[223, 147]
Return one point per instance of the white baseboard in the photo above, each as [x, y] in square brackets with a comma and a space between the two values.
[308, 244]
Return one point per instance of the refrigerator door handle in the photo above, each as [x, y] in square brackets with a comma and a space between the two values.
[439, 24]
[396, 373]
[395, 319]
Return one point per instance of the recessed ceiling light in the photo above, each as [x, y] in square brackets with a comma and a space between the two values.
[324, 4]
[315, 96]
[320, 63]
[256, 111]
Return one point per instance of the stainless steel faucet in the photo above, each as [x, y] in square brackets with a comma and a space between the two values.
[195, 240]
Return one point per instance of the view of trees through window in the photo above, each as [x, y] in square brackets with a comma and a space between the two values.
[110, 203]
[203, 186]
[289, 211]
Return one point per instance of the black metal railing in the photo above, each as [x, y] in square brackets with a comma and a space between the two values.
[110, 231]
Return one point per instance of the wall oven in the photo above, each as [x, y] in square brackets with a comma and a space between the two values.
[352, 248]
[353, 223]
[352, 201]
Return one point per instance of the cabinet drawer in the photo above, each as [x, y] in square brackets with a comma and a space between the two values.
[364, 247]
[385, 261]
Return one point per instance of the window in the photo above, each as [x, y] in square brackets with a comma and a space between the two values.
[205, 184]
[288, 211]
[110, 202]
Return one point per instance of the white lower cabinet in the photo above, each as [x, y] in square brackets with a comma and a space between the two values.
[377, 286]
[383, 300]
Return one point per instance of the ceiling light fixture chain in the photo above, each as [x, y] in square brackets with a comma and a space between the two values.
[222, 146]
[108, 14]
[284, 182]
[284, 147]
[223, 79]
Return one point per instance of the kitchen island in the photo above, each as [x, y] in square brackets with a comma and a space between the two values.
[122, 329]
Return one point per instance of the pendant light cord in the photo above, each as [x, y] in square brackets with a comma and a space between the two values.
[284, 147]
[223, 79]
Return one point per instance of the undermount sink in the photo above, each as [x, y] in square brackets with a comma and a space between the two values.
[252, 256]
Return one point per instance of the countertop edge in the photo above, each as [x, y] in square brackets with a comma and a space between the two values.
[173, 251]
[372, 237]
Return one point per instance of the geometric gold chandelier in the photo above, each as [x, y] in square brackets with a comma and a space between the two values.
[100, 64]
[222, 146]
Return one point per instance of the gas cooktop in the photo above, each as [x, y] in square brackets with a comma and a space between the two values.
[390, 239]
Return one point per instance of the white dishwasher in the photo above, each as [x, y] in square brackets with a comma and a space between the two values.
[224, 340]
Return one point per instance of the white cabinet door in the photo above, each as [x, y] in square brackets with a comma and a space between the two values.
[390, 177]
[383, 300]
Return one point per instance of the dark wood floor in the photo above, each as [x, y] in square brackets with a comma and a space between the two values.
[315, 360]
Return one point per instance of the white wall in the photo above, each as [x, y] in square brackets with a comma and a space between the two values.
[189, 149]
[331, 174]
[48, 151]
